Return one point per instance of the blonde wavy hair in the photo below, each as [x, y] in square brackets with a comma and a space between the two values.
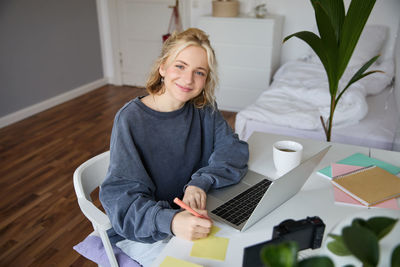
[170, 50]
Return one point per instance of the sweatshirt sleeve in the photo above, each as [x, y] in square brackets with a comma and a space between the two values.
[127, 194]
[227, 163]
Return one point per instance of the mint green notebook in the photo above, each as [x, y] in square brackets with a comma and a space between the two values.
[362, 160]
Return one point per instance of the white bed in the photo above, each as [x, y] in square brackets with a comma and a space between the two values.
[367, 114]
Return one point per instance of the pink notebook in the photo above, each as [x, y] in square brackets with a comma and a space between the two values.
[342, 197]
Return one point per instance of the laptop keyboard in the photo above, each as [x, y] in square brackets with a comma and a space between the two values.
[239, 208]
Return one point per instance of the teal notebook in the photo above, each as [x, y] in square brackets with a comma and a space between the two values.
[362, 160]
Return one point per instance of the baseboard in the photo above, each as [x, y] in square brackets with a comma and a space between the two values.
[51, 102]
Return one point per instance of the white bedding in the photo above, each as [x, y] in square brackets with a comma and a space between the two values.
[299, 95]
[377, 129]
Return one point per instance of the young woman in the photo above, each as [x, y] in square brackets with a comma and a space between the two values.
[171, 143]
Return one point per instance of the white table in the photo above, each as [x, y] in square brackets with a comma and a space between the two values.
[314, 199]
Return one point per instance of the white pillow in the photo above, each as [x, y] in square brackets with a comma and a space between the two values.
[376, 82]
[369, 45]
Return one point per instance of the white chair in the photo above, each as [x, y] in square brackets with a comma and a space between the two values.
[88, 177]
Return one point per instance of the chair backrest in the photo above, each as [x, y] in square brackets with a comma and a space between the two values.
[91, 174]
[88, 177]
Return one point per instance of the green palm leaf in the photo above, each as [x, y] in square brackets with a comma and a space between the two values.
[336, 13]
[339, 34]
[312, 40]
[360, 74]
[328, 39]
[317, 45]
[353, 25]
[325, 28]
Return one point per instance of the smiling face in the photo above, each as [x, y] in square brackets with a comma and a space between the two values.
[185, 76]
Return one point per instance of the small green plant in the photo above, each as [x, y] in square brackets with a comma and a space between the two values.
[360, 239]
[285, 255]
[339, 34]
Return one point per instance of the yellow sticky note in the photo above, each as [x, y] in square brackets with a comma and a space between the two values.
[211, 247]
[214, 230]
[174, 262]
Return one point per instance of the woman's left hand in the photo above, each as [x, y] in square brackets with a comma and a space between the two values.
[195, 197]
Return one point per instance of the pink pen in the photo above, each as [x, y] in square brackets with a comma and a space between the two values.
[181, 204]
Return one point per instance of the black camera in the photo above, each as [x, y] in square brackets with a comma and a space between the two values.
[308, 233]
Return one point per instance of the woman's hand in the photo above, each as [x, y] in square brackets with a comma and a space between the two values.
[195, 197]
[189, 227]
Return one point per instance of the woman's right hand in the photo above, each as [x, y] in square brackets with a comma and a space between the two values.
[189, 227]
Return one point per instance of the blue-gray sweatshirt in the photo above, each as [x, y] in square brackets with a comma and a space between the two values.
[154, 155]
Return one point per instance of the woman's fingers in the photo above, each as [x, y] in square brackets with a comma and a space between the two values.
[189, 227]
[195, 197]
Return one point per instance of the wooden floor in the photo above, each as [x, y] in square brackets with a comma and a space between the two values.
[40, 217]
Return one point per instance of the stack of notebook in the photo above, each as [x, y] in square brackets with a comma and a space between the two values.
[361, 180]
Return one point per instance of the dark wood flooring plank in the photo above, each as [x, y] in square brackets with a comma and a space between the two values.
[40, 217]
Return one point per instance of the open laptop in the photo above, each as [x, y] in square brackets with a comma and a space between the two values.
[243, 204]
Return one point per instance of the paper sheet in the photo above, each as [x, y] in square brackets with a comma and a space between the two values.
[359, 159]
[174, 262]
[211, 247]
[340, 169]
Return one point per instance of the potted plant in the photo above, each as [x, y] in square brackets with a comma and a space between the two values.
[339, 33]
[360, 239]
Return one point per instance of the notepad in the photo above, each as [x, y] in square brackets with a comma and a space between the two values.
[359, 159]
[343, 198]
[370, 185]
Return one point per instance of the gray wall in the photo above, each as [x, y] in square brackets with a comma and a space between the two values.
[47, 47]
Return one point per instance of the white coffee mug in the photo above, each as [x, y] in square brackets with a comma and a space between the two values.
[286, 155]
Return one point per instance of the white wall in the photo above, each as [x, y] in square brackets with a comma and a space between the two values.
[299, 15]
[396, 143]
[397, 73]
